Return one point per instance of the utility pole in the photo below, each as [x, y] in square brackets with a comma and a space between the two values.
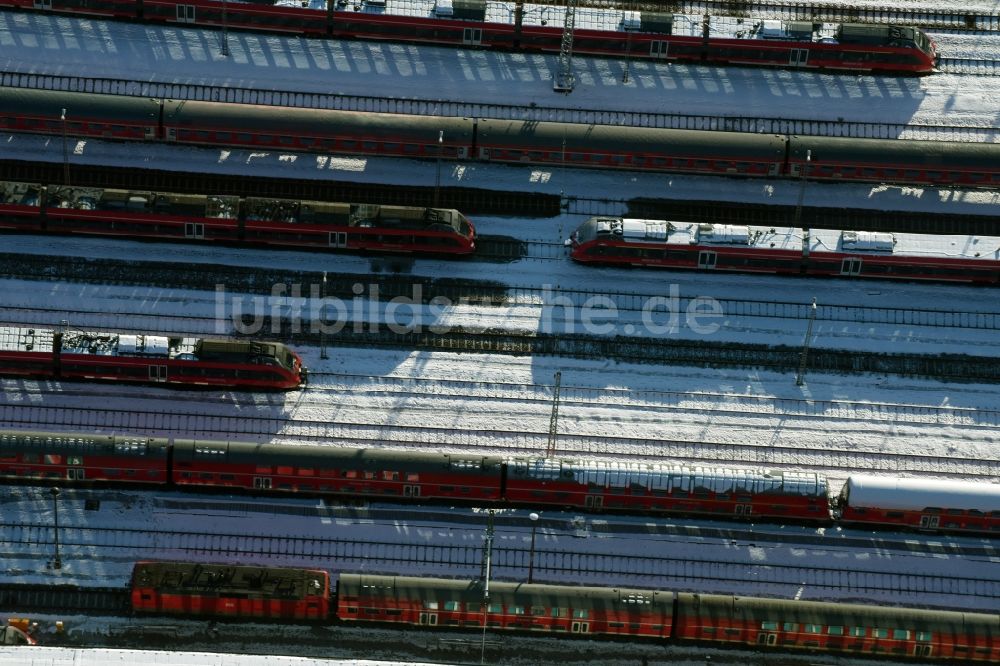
[65, 151]
[485, 576]
[225, 30]
[437, 180]
[805, 345]
[798, 210]
[56, 561]
[550, 450]
[322, 320]
[531, 554]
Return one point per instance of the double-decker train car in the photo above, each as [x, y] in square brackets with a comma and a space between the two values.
[511, 606]
[605, 240]
[586, 611]
[721, 493]
[230, 591]
[157, 359]
[34, 207]
[824, 159]
[519, 26]
[55, 457]
[921, 504]
[353, 472]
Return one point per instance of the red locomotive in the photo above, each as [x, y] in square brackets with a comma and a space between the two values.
[664, 489]
[611, 32]
[32, 207]
[745, 249]
[157, 359]
[230, 591]
[551, 144]
[683, 618]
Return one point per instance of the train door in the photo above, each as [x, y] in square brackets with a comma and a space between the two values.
[42, 4]
[767, 638]
[580, 628]
[922, 650]
[261, 483]
[658, 49]
[798, 57]
[472, 36]
[338, 239]
[930, 521]
[411, 491]
[185, 13]
[593, 502]
[850, 267]
[429, 619]
[157, 373]
[194, 230]
[706, 259]
[744, 510]
[74, 471]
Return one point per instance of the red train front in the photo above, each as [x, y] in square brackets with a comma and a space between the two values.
[230, 591]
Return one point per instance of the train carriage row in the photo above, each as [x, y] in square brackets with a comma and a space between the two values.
[227, 591]
[589, 485]
[552, 144]
[517, 26]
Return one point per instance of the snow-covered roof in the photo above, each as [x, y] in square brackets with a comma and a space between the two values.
[615, 474]
[916, 494]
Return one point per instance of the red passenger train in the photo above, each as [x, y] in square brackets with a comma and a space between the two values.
[520, 26]
[682, 618]
[38, 208]
[590, 485]
[620, 241]
[549, 144]
[152, 359]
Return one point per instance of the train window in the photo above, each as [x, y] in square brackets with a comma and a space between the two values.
[369, 476]
[29, 457]
[901, 634]
[224, 136]
[975, 512]
[955, 512]
[558, 612]
[616, 625]
[539, 610]
[306, 471]
[708, 630]
[788, 626]
[411, 148]
[369, 145]
[580, 614]
[702, 164]
[244, 138]
[390, 476]
[858, 632]
[453, 605]
[284, 470]
[431, 605]
[835, 631]
[262, 469]
[265, 138]
[494, 608]
[814, 628]
[393, 147]
[411, 476]
[732, 632]
[53, 459]
[880, 633]
[202, 135]
[350, 473]
[286, 140]
[225, 477]
[924, 635]
[516, 610]
[894, 514]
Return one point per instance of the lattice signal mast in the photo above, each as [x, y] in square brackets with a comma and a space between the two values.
[550, 450]
[565, 80]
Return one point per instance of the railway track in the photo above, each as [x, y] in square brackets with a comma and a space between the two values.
[656, 569]
[973, 66]
[377, 104]
[522, 441]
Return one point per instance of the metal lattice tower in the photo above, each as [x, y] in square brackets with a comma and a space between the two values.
[550, 450]
[565, 80]
[805, 345]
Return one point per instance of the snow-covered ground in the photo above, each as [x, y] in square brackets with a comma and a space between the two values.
[47, 44]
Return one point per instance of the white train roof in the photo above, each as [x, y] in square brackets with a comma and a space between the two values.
[40, 340]
[860, 243]
[917, 494]
[612, 474]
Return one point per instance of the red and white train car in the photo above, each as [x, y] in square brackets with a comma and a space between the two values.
[230, 591]
[649, 487]
[787, 251]
[925, 504]
[158, 359]
[437, 602]
[362, 473]
[61, 457]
